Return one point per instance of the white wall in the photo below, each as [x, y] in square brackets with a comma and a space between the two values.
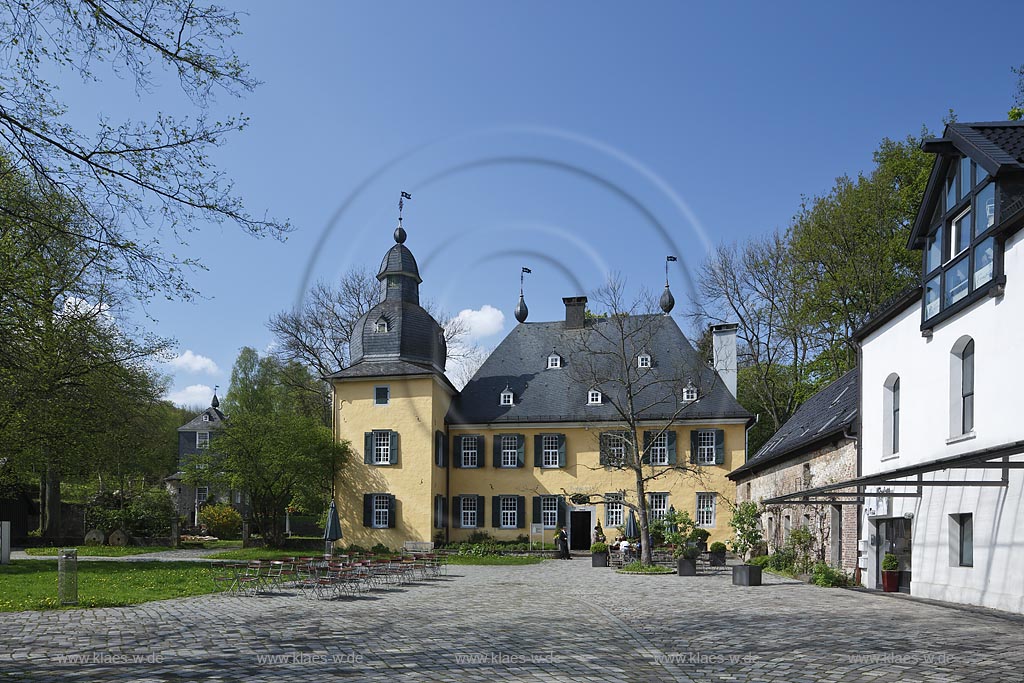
[997, 327]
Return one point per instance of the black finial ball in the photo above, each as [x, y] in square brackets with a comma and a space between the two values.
[400, 234]
[667, 301]
[521, 311]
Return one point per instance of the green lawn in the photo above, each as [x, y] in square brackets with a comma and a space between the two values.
[494, 559]
[101, 550]
[32, 584]
[262, 554]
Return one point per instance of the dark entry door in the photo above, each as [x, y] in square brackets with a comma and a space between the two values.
[894, 537]
[579, 530]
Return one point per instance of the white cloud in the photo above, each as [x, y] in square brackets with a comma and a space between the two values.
[192, 395]
[193, 362]
[482, 323]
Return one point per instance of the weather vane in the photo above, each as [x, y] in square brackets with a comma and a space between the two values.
[522, 276]
[668, 259]
[401, 205]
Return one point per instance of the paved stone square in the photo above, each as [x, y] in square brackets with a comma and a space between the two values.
[557, 621]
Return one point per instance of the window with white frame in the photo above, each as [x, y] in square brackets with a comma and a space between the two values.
[381, 511]
[554, 361]
[616, 445]
[891, 416]
[202, 439]
[550, 450]
[659, 449]
[468, 511]
[961, 386]
[657, 505]
[202, 493]
[470, 454]
[961, 528]
[382, 448]
[594, 397]
[206, 418]
[690, 393]
[706, 447]
[705, 510]
[506, 398]
[509, 450]
[643, 361]
[549, 511]
[613, 510]
[382, 326]
[509, 507]
[381, 396]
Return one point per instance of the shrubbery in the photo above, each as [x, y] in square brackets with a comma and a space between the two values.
[221, 520]
[829, 577]
[145, 514]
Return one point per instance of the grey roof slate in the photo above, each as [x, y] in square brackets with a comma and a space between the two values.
[557, 395]
[399, 260]
[831, 411]
[413, 335]
[384, 368]
[196, 424]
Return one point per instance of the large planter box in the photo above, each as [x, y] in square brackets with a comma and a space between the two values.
[599, 560]
[746, 575]
[686, 567]
[717, 559]
[891, 581]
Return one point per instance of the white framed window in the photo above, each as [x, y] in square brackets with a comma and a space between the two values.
[509, 507]
[554, 361]
[381, 511]
[706, 447]
[657, 505]
[506, 398]
[643, 361]
[550, 450]
[382, 448]
[659, 449]
[705, 510]
[206, 418]
[961, 530]
[891, 416]
[549, 511]
[509, 450]
[593, 398]
[468, 511]
[202, 493]
[616, 444]
[202, 439]
[382, 326]
[690, 393]
[394, 282]
[613, 510]
[961, 384]
[381, 396]
[470, 453]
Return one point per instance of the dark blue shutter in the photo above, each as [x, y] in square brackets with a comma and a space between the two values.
[693, 446]
[561, 450]
[367, 509]
[368, 448]
[520, 512]
[496, 512]
[481, 519]
[391, 511]
[393, 437]
[537, 516]
[481, 451]
[520, 450]
[719, 447]
[497, 450]
[648, 438]
[456, 451]
[456, 512]
[538, 450]
[670, 436]
[562, 511]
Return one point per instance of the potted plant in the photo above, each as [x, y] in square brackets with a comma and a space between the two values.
[746, 523]
[890, 573]
[717, 554]
[599, 554]
[686, 559]
[700, 537]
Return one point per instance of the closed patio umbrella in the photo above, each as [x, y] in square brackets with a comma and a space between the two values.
[632, 526]
[332, 532]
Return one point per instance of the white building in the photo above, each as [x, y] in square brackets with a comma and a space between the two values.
[941, 425]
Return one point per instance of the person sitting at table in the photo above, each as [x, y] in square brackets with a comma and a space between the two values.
[624, 549]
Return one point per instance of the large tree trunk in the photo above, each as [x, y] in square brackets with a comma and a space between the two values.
[51, 506]
[646, 556]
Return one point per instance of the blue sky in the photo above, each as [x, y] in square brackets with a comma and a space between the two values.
[575, 138]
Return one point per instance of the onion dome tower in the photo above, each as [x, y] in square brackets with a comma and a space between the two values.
[667, 301]
[522, 312]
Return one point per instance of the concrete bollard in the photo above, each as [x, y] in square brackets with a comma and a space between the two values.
[67, 576]
[5, 542]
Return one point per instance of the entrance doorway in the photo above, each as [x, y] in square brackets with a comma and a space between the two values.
[579, 530]
[894, 537]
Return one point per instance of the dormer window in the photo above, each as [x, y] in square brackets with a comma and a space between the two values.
[382, 326]
[206, 418]
[507, 397]
[394, 282]
[554, 361]
[643, 360]
[690, 393]
[594, 397]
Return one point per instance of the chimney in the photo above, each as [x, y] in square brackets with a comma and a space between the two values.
[575, 312]
[723, 344]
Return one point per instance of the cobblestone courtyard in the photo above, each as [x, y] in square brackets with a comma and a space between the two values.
[555, 621]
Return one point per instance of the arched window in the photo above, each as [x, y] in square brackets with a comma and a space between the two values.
[891, 415]
[961, 388]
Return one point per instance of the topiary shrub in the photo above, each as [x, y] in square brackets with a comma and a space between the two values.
[599, 547]
[717, 547]
[890, 563]
[221, 520]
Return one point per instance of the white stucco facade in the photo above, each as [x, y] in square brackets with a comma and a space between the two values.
[926, 410]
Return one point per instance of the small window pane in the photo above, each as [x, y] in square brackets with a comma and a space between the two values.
[933, 254]
[381, 395]
[549, 512]
[659, 449]
[965, 177]
[950, 191]
[509, 450]
[979, 174]
[967, 540]
[985, 209]
[961, 232]
[549, 444]
[931, 297]
[956, 283]
[984, 256]
[658, 506]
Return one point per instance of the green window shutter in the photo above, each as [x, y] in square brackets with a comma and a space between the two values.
[391, 511]
[562, 511]
[394, 447]
[439, 443]
[497, 450]
[538, 450]
[368, 448]
[603, 443]
[496, 512]
[456, 451]
[520, 450]
[561, 450]
[719, 446]
[520, 512]
[481, 451]
[436, 514]
[648, 438]
[693, 446]
[367, 509]
[481, 518]
[456, 512]
[671, 438]
[536, 509]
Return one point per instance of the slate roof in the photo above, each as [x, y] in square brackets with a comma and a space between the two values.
[556, 395]
[399, 260]
[196, 424]
[413, 335]
[830, 412]
[384, 368]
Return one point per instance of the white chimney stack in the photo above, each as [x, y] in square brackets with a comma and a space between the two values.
[723, 344]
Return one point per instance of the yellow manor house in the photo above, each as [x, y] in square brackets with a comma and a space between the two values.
[530, 431]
